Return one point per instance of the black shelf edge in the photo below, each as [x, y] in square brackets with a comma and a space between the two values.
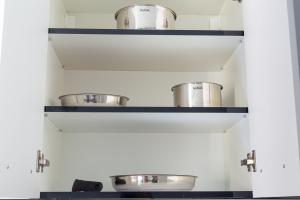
[147, 195]
[146, 32]
[51, 109]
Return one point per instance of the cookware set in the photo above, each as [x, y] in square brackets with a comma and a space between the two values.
[193, 94]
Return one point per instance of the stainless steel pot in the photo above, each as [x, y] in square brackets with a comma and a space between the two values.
[146, 16]
[153, 182]
[197, 94]
[92, 99]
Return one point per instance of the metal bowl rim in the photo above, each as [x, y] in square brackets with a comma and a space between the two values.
[162, 175]
[196, 82]
[152, 5]
[97, 94]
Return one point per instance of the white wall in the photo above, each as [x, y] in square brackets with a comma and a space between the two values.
[2, 6]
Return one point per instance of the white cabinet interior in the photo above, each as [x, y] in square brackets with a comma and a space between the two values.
[192, 15]
[212, 156]
[125, 52]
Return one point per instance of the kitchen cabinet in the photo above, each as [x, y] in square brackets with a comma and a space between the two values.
[55, 47]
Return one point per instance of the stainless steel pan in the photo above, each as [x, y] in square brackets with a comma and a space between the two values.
[145, 16]
[93, 99]
[153, 182]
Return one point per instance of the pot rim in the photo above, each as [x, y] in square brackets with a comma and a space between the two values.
[97, 94]
[117, 176]
[196, 82]
[152, 5]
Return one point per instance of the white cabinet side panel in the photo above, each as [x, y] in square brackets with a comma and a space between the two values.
[237, 145]
[232, 16]
[52, 148]
[98, 156]
[55, 78]
[22, 85]
[235, 79]
[57, 14]
[272, 102]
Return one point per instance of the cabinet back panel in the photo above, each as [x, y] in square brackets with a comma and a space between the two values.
[194, 14]
[107, 21]
[143, 88]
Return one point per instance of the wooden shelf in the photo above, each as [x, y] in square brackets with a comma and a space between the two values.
[144, 119]
[148, 195]
[144, 50]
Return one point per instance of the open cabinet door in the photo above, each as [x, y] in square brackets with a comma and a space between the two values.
[22, 79]
[2, 5]
[273, 92]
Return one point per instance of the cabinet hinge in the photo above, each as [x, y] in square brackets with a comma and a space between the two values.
[41, 162]
[250, 162]
[240, 1]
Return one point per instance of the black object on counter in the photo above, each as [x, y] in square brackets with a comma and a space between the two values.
[86, 186]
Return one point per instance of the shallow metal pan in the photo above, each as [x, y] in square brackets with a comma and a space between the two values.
[153, 182]
[93, 99]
